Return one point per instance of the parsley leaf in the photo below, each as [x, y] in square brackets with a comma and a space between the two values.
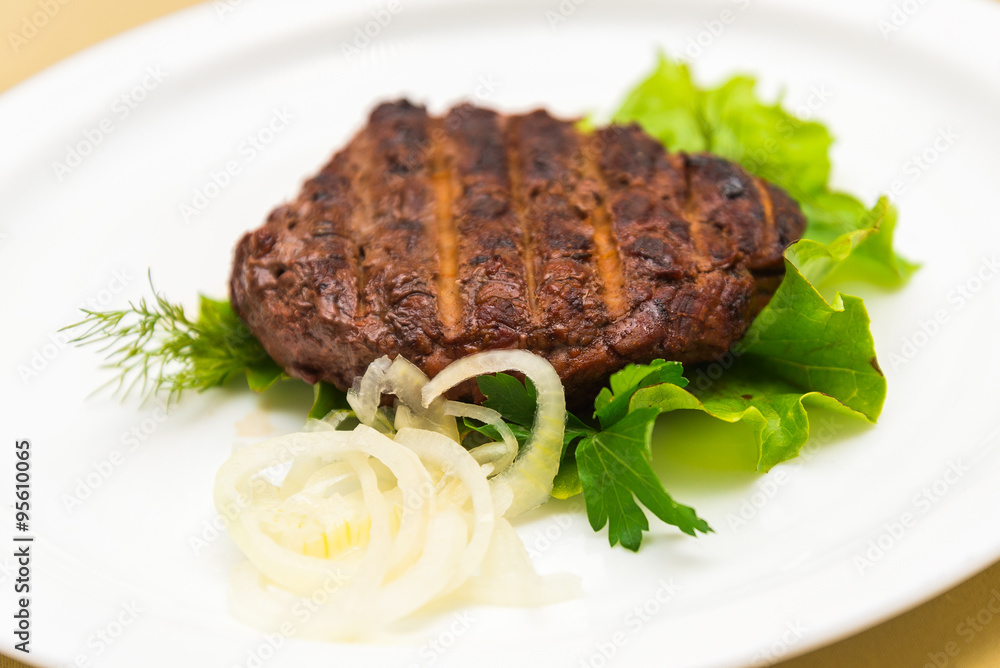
[614, 471]
[610, 466]
[612, 404]
[514, 400]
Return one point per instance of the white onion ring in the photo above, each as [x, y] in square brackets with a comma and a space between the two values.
[364, 396]
[498, 455]
[426, 521]
[531, 474]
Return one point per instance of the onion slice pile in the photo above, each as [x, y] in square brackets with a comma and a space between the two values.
[349, 531]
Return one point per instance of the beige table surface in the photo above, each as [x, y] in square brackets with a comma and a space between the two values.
[933, 635]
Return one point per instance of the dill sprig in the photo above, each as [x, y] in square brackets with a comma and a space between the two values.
[153, 346]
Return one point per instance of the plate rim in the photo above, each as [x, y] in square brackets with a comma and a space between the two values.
[47, 83]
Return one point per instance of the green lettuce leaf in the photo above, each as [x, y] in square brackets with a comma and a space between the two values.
[262, 375]
[326, 398]
[730, 120]
[845, 240]
[800, 351]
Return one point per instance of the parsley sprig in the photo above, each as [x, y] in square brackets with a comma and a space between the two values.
[609, 463]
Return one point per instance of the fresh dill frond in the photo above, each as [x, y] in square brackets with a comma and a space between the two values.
[153, 346]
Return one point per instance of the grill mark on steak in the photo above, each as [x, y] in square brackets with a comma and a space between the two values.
[608, 261]
[322, 255]
[491, 246]
[444, 229]
[356, 218]
[769, 233]
[402, 291]
[654, 235]
[672, 283]
[568, 290]
[512, 142]
[687, 210]
[539, 217]
[718, 249]
[723, 191]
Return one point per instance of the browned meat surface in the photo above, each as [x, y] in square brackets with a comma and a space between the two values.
[438, 237]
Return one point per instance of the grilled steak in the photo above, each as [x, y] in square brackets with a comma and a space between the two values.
[438, 237]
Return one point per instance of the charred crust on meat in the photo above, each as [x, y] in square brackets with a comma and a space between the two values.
[594, 250]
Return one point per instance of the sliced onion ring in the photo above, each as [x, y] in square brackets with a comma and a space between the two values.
[426, 520]
[498, 455]
[530, 476]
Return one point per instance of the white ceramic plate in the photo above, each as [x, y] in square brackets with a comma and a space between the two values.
[122, 495]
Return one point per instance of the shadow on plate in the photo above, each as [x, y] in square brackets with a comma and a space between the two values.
[693, 451]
